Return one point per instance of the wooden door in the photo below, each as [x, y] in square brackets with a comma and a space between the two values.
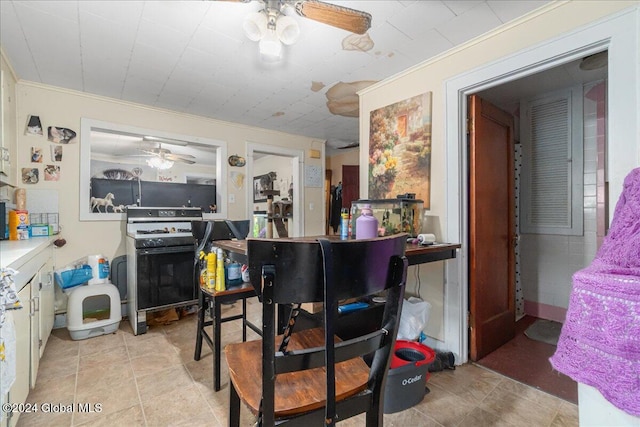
[350, 184]
[491, 228]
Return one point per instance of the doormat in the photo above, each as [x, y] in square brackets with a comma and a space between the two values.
[543, 330]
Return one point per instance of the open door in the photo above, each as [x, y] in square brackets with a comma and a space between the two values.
[491, 228]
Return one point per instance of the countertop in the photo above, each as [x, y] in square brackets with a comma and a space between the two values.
[14, 253]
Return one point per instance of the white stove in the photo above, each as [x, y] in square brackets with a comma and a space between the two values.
[160, 261]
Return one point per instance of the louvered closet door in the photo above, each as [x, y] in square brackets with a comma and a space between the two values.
[552, 167]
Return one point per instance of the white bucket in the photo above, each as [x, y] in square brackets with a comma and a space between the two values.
[100, 268]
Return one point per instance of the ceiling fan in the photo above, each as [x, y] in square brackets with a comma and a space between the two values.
[342, 17]
[163, 159]
[166, 154]
[272, 25]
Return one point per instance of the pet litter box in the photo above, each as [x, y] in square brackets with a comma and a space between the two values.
[93, 310]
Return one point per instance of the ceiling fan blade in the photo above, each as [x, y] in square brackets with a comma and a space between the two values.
[355, 144]
[153, 152]
[175, 158]
[179, 156]
[342, 17]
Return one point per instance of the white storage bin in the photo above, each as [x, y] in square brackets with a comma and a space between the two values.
[93, 310]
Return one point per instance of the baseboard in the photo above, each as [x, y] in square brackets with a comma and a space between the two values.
[545, 311]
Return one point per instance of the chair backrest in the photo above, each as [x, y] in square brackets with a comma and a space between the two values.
[239, 228]
[286, 271]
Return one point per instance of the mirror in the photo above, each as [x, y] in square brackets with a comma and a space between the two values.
[124, 166]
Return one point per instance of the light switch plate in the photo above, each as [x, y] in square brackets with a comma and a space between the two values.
[312, 176]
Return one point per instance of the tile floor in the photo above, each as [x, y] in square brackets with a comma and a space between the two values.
[152, 380]
[527, 361]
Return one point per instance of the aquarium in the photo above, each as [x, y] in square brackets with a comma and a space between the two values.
[401, 215]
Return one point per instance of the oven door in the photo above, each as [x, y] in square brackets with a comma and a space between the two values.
[164, 277]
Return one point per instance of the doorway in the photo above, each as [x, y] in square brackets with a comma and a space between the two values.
[547, 260]
[617, 35]
[295, 158]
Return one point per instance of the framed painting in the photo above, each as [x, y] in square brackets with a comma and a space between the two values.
[400, 149]
[260, 184]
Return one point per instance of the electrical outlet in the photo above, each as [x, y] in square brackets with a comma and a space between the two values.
[232, 198]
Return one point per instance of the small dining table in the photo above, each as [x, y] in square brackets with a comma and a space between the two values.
[415, 253]
[237, 251]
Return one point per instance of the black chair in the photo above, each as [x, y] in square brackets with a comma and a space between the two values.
[208, 300]
[312, 377]
[239, 228]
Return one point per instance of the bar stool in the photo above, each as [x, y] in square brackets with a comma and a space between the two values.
[211, 301]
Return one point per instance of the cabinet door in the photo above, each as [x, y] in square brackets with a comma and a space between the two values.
[34, 342]
[47, 304]
[22, 320]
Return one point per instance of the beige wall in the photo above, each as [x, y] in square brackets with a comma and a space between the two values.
[335, 163]
[57, 107]
[432, 75]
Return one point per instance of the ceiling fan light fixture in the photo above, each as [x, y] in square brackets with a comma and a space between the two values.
[270, 46]
[255, 26]
[160, 163]
[287, 29]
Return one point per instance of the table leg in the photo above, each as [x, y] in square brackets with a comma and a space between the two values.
[217, 317]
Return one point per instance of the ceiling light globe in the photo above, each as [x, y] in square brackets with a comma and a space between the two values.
[159, 163]
[270, 47]
[287, 29]
[255, 26]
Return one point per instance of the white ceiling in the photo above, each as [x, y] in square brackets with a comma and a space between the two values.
[192, 56]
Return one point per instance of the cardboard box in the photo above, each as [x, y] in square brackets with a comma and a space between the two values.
[40, 230]
[312, 307]
[316, 307]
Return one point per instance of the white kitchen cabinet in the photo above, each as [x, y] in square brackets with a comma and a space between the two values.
[33, 323]
[47, 304]
[7, 128]
[42, 315]
[22, 320]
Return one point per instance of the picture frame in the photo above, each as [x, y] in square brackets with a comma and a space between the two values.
[261, 183]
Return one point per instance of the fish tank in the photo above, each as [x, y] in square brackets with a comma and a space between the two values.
[400, 215]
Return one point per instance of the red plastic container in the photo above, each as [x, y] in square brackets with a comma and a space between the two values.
[408, 375]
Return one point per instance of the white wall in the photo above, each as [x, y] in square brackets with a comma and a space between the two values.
[57, 107]
[336, 161]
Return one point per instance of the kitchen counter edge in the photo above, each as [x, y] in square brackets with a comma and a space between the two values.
[15, 253]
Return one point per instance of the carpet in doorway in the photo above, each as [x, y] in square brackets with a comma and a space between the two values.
[546, 331]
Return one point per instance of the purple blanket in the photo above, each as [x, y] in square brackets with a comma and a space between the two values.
[600, 340]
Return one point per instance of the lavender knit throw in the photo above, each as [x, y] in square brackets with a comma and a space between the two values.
[600, 340]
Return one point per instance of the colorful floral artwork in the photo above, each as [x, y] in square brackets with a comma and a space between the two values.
[400, 149]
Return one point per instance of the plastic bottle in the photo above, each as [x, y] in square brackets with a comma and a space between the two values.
[366, 224]
[220, 285]
[344, 224]
[234, 276]
[211, 270]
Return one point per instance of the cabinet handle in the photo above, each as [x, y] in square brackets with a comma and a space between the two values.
[34, 306]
